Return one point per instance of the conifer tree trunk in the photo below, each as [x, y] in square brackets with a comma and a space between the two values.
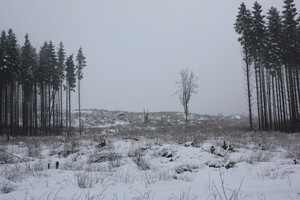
[79, 105]
[53, 113]
[1, 112]
[6, 106]
[67, 110]
[279, 104]
[24, 113]
[289, 105]
[61, 108]
[18, 109]
[258, 97]
[31, 111]
[70, 119]
[249, 90]
[42, 102]
[283, 96]
[275, 103]
[49, 109]
[292, 101]
[264, 99]
[11, 110]
[35, 110]
[269, 101]
[297, 95]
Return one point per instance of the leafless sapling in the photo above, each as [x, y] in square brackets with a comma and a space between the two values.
[186, 87]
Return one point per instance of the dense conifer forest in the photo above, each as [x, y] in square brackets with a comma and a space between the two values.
[271, 55]
[36, 86]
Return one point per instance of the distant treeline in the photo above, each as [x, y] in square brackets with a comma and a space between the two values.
[271, 50]
[32, 85]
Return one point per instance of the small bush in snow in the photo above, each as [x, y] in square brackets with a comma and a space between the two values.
[5, 157]
[137, 156]
[116, 162]
[166, 153]
[141, 163]
[15, 173]
[151, 178]
[7, 187]
[84, 180]
[135, 152]
[103, 157]
[185, 168]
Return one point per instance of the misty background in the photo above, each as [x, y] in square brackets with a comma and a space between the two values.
[136, 48]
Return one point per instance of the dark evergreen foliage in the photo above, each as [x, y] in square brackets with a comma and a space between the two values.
[274, 50]
[70, 85]
[243, 28]
[81, 63]
[31, 86]
[61, 73]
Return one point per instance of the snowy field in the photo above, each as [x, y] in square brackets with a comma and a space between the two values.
[120, 157]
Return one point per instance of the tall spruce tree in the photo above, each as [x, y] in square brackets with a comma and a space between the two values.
[3, 84]
[61, 69]
[43, 80]
[289, 59]
[273, 65]
[13, 66]
[242, 27]
[30, 83]
[28, 63]
[81, 63]
[35, 84]
[53, 85]
[257, 50]
[70, 85]
[274, 50]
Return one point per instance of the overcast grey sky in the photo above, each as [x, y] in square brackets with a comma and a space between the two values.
[136, 48]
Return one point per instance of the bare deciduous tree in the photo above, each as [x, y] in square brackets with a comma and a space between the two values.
[186, 87]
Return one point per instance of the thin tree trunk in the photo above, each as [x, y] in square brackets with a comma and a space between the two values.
[264, 100]
[1, 106]
[49, 109]
[43, 117]
[61, 109]
[35, 110]
[249, 91]
[258, 97]
[79, 105]
[275, 103]
[269, 96]
[6, 106]
[11, 110]
[53, 113]
[284, 111]
[70, 119]
[67, 110]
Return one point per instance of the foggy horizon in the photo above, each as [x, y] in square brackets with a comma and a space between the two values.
[135, 49]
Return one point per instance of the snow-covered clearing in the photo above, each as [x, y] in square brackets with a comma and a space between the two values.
[171, 165]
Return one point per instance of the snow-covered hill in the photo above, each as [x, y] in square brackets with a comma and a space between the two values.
[122, 157]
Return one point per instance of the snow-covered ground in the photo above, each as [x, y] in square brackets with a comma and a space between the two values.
[171, 165]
